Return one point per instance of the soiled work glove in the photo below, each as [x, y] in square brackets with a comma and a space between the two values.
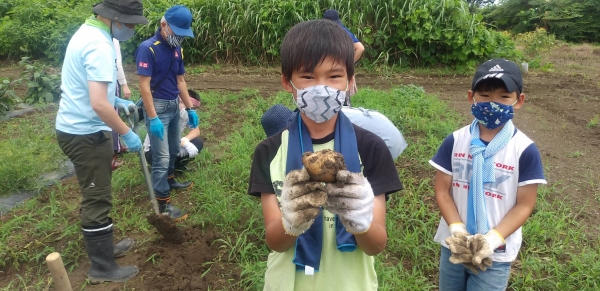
[301, 201]
[351, 198]
[193, 118]
[132, 141]
[156, 127]
[483, 246]
[460, 246]
[124, 104]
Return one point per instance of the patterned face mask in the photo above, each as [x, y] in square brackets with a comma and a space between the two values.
[320, 103]
[174, 40]
[492, 114]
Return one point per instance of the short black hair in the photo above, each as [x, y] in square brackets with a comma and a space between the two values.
[194, 94]
[491, 84]
[308, 43]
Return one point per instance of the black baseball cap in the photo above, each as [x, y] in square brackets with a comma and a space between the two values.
[506, 71]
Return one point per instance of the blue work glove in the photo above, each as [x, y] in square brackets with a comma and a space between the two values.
[132, 141]
[124, 104]
[193, 118]
[156, 127]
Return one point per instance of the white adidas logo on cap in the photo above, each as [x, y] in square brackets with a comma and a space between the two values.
[496, 68]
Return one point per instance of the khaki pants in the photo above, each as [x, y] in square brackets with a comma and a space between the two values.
[91, 154]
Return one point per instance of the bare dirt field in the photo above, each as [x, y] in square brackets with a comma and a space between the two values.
[558, 115]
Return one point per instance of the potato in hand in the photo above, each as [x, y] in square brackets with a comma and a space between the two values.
[322, 166]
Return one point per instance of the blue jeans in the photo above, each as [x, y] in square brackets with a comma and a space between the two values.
[164, 152]
[456, 277]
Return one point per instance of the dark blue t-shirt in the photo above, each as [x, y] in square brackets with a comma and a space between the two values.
[530, 161]
[155, 58]
[352, 36]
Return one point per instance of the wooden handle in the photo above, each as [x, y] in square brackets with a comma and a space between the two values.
[59, 274]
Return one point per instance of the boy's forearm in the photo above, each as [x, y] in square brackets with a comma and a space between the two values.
[276, 237]
[514, 219]
[443, 197]
[447, 208]
[373, 241]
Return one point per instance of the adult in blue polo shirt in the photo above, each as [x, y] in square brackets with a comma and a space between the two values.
[161, 72]
[84, 122]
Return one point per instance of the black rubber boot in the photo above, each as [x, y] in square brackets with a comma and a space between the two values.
[124, 246]
[178, 185]
[100, 250]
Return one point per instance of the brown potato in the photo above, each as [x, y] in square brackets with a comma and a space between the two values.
[323, 165]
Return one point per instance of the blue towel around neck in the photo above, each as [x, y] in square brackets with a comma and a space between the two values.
[483, 172]
[309, 245]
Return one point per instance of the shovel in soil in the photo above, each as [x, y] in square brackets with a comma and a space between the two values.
[162, 222]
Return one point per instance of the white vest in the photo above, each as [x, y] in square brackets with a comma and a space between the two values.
[500, 197]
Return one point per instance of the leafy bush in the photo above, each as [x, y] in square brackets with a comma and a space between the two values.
[404, 32]
[575, 21]
[43, 85]
[40, 28]
[8, 97]
[535, 42]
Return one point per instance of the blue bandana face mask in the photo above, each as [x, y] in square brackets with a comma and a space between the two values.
[492, 114]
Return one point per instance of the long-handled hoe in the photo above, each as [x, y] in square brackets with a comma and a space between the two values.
[162, 222]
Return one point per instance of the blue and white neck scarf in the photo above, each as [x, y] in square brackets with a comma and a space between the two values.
[483, 172]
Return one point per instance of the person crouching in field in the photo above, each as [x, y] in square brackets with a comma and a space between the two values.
[486, 184]
[329, 247]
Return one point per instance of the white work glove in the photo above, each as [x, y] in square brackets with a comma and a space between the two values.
[182, 152]
[351, 198]
[301, 201]
[483, 246]
[189, 147]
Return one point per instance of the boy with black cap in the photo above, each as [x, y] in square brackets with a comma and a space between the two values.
[486, 184]
[323, 235]
[84, 122]
[161, 73]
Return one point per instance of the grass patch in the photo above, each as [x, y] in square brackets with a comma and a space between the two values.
[28, 148]
[557, 253]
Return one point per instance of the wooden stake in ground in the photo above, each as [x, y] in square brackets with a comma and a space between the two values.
[59, 274]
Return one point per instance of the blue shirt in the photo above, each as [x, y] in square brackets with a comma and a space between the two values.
[352, 36]
[155, 58]
[90, 56]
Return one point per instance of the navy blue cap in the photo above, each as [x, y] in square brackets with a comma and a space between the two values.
[179, 19]
[276, 119]
[334, 16]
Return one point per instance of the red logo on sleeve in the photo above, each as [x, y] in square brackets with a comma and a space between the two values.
[176, 55]
[143, 65]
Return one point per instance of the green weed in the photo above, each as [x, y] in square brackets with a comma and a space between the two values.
[593, 122]
[28, 148]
